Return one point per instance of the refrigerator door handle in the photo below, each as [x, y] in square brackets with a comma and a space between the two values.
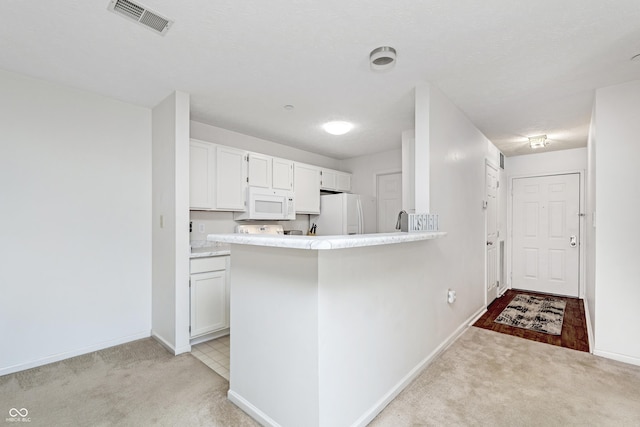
[360, 217]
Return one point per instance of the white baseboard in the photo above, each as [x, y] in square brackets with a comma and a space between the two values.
[587, 319]
[68, 354]
[209, 337]
[251, 410]
[617, 356]
[369, 415]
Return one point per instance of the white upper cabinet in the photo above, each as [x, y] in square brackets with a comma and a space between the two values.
[231, 178]
[343, 182]
[201, 175]
[306, 184]
[333, 180]
[282, 174]
[217, 177]
[260, 170]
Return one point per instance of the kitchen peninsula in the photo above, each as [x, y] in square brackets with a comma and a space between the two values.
[326, 330]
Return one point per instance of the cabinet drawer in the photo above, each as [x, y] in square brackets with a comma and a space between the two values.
[201, 265]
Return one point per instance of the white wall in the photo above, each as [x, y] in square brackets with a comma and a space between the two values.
[617, 271]
[365, 169]
[457, 151]
[218, 135]
[545, 163]
[170, 222]
[75, 231]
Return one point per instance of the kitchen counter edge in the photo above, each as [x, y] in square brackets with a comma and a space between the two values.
[325, 242]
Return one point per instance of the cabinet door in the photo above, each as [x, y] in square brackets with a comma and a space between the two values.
[201, 175]
[282, 174]
[329, 178]
[343, 182]
[260, 170]
[306, 181]
[208, 302]
[231, 178]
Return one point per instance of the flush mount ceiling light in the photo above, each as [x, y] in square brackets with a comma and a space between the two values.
[636, 58]
[539, 141]
[382, 58]
[337, 127]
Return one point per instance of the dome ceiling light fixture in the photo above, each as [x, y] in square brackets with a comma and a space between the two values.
[539, 141]
[382, 58]
[337, 127]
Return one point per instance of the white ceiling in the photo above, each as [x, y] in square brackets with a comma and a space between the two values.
[515, 68]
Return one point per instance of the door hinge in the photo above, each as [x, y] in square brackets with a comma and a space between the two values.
[189, 328]
[497, 184]
[485, 204]
[247, 179]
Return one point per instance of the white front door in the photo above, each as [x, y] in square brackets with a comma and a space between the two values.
[491, 218]
[546, 232]
[389, 195]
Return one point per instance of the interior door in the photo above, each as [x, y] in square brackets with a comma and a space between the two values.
[491, 218]
[389, 196]
[546, 232]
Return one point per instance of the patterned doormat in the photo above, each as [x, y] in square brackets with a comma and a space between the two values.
[534, 313]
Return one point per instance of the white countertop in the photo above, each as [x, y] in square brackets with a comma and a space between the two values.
[324, 242]
[203, 248]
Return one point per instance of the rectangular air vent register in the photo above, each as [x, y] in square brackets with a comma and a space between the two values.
[140, 14]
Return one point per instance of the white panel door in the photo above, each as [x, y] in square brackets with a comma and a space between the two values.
[546, 231]
[491, 218]
[389, 195]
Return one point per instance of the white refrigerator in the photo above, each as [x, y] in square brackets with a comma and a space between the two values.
[345, 213]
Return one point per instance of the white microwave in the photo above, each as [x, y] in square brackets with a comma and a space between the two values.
[268, 204]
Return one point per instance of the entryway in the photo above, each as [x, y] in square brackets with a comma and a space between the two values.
[574, 333]
[546, 234]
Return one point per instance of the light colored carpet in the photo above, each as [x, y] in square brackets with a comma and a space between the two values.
[483, 379]
[135, 384]
[540, 314]
[490, 379]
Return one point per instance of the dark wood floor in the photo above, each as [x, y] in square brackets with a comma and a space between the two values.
[574, 327]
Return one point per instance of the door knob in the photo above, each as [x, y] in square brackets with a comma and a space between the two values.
[489, 243]
[573, 242]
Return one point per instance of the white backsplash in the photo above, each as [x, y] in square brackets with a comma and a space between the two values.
[223, 222]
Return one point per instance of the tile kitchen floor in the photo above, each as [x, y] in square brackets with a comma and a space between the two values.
[214, 354]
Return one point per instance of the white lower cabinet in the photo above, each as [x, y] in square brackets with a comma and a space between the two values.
[209, 283]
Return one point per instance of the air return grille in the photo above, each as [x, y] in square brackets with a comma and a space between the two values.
[141, 15]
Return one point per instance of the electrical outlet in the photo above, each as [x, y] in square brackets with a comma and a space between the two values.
[200, 228]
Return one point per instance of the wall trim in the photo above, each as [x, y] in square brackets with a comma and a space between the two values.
[587, 319]
[165, 343]
[77, 352]
[617, 356]
[251, 410]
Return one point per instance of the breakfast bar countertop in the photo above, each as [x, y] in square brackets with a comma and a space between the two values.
[324, 242]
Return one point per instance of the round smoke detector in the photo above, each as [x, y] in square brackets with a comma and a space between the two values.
[382, 58]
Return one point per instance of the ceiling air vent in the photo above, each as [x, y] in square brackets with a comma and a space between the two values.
[141, 15]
